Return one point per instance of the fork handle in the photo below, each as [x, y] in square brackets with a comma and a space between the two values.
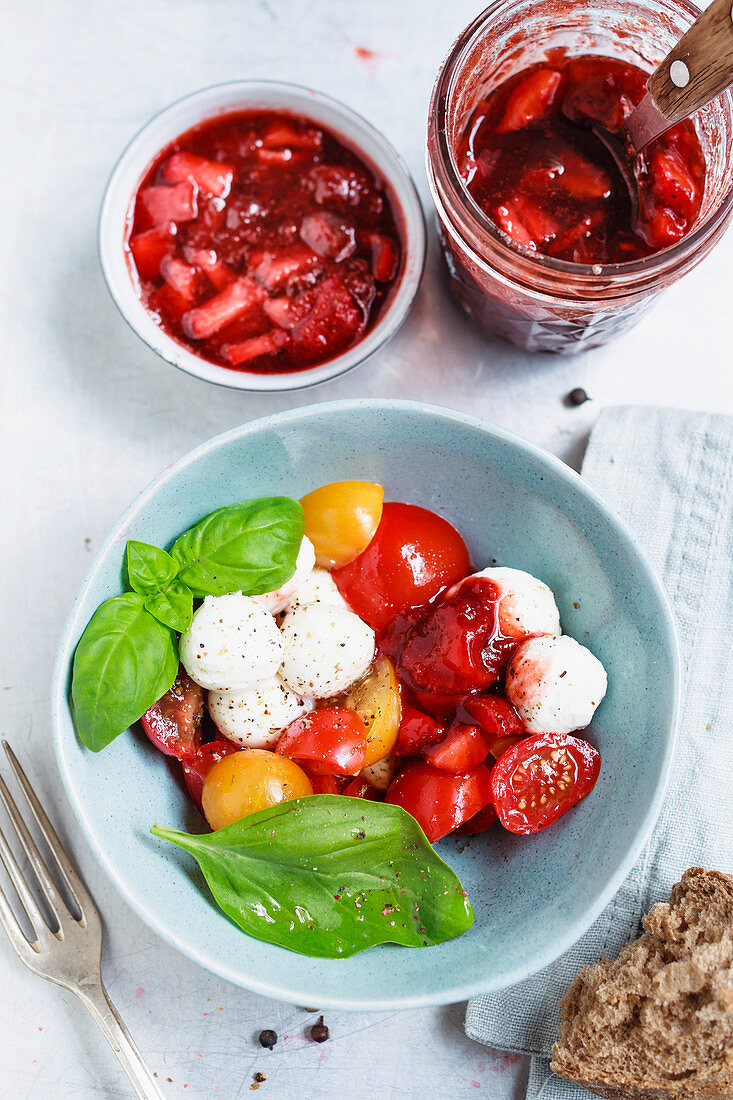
[699, 67]
[96, 1000]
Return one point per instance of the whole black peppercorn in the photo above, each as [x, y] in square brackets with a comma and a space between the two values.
[268, 1038]
[578, 396]
[319, 1031]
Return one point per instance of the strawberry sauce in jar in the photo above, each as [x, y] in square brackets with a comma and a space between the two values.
[543, 244]
[261, 242]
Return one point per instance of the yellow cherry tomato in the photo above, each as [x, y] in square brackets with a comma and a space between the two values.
[340, 520]
[247, 781]
[376, 699]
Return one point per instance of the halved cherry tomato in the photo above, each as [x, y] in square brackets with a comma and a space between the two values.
[173, 722]
[460, 750]
[499, 745]
[323, 784]
[537, 780]
[331, 741]
[376, 699]
[341, 518]
[196, 768]
[413, 556]
[360, 788]
[493, 715]
[417, 731]
[381, 774]
[247, 781]
[479, 823]
[438, 800]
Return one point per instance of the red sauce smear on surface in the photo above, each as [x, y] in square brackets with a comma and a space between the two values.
[261, 242]
[532, 163]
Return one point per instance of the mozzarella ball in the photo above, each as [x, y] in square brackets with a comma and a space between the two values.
[257, 717]
[232, 644]
[555, 684]
[526, 604]
[319, 587]
[325, 650]
[282, 597]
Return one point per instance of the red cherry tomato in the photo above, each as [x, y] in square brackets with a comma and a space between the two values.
[331, 741]
[462, 749]
[479, 823]
[323, 784]
[493, 715]
[197, 767]
[173, 722]
[438, 800]
[359, 788]
[417, 731]
[413, 556]
[539, 779]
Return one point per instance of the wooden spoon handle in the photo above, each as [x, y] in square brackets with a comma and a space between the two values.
[699, 67]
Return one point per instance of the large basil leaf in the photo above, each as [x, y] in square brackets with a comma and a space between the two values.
[329, 876]
[250, 547]
[148, 567]
[173, 606]
[124, 662]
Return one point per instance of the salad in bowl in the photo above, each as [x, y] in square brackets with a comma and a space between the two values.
[342, 688]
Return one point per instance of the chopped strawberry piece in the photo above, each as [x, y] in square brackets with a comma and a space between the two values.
[659, 225]
[672, 182]
[332, 325]
[593, 95]
[214, 177]
[181, 277]
[328, 236]
[218, 274]
[236, 299]
[168, 304]
[273, 270]
[280, 135]
[385, 257]
[340, 187]
[583, 179]
[170, 204]
[530, 100]
[525, 222]
[286, 312]
[150, 248]
[359, 282]
[270, 343]
[506, 218]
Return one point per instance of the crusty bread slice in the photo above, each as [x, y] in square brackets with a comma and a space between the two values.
[658, 1020]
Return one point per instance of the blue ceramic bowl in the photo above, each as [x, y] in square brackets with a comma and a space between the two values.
[532, 896]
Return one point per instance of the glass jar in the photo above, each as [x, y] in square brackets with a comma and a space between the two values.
[539, 303]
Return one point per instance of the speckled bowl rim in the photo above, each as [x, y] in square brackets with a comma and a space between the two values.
[540, 956]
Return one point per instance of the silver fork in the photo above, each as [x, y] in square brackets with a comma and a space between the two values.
[70, 956]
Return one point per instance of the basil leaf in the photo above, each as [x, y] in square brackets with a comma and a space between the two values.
[250, 547]
[173, 606]
[124, 662]
[148, 567]
[329, 876]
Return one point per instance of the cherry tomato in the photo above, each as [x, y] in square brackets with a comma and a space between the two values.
[462, 749]
[499, 745]
[247, 781]
[172, 723]
[196, 768]
[360, 788]
[341, 518]
[323, 784]
[439, 800]
[417, 731]
[493, 715]
[376, 699]
[413, 556]
[539, 779]
[331, 741]
[479, 823]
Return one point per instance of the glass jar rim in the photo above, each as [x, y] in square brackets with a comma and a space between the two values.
[649, 268]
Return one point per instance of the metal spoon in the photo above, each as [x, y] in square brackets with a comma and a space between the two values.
[694, 71]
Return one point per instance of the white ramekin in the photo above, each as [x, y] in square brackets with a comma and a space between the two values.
[355, 131]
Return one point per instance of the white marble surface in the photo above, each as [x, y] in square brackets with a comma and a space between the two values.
[89, 416]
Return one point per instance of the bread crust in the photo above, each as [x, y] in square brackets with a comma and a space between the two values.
[659, 1018]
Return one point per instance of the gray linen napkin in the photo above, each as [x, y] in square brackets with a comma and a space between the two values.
[669, 474]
